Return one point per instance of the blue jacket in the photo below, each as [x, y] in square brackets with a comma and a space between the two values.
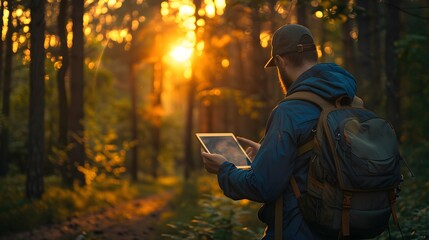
[289, 126]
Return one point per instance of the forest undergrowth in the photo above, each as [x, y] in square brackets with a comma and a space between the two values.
[59, 204]
[202, 212]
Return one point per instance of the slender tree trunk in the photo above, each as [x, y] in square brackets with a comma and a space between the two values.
[189, 160]
[348, 47]
[134, 133]
[4, 146]
[1, 45]
[301, 10]
[258, 74]
[157, 118]
[393, 83]
[365, 54]
[377, 61]
[65, 168]
[189, 115]
[76, 117]
[35, 185]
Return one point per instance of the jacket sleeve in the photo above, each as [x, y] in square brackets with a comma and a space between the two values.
[271, 168]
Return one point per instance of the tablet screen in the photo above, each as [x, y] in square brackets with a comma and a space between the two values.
[225, 144]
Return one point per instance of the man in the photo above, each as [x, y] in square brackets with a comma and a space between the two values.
[290, 126]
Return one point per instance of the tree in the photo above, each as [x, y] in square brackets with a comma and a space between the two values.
[76, 128]
[61, 88]
[34, 183]
[157, 118]
[301, 9]
[348, 47]
[3, 158]
[1, 46]
[4, 138]
[189, 116]
[392, 68]
[365, 55]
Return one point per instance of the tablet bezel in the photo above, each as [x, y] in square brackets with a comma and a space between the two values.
[199, 135]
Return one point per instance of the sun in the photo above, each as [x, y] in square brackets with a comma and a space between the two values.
[181, 53]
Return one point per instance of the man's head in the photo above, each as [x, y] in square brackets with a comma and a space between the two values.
[292, 51]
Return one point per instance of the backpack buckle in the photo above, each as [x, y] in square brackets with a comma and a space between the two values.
[347, 200]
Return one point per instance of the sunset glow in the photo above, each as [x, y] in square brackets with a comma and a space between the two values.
[181, 53]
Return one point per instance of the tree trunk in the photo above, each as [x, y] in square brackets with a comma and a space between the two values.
[189, 122]
[301, 10]
[34, 185]
[76, 117]
[364, 52]
[134, 133]
[65, 168]
[392, 68]
[1, 48]
[258, 74]
[4, 146]
[157, 118]
[189, 115]
[348, 47]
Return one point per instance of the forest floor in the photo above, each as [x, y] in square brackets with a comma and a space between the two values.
[136, 219]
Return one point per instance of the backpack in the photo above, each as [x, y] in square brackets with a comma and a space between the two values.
[354, 172]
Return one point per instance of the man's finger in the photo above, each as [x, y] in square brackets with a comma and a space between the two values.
[248, 142]
[206, 155]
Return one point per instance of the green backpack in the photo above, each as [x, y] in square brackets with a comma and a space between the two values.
[354, 172]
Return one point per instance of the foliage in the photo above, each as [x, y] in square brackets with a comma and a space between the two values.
[59, 204]
[412, 59]
[218, 217]
[413, 211]
[221, 218]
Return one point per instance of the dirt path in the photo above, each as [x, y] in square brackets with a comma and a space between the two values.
[131, 220]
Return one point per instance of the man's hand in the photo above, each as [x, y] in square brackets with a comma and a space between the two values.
[212, 162]
[252, 149]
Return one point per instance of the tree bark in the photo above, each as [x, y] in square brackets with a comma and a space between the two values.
[348, 47]
[189, 117]
[134, 133]
[365, 72]
[1, 45]
[258, 74]
[302, 12]
[65, 168]
[157, 118]
[34, 183]
[392, 68]
[4, 146]
[76, 117]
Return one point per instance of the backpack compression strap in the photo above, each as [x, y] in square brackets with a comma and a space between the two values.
[278, 217]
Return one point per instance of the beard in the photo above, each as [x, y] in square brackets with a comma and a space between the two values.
[284, 80]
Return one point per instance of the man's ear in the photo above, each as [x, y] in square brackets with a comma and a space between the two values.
[279, 61]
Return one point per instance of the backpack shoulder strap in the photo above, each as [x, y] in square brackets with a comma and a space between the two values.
[322, 104]
[309, 97]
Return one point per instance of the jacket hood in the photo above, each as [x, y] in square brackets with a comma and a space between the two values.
[328, 80]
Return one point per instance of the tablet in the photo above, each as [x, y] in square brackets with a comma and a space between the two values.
[227, 145]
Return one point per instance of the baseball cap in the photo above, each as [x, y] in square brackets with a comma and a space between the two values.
[288, 39]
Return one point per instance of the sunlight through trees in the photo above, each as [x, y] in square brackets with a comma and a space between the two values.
[126, 84]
